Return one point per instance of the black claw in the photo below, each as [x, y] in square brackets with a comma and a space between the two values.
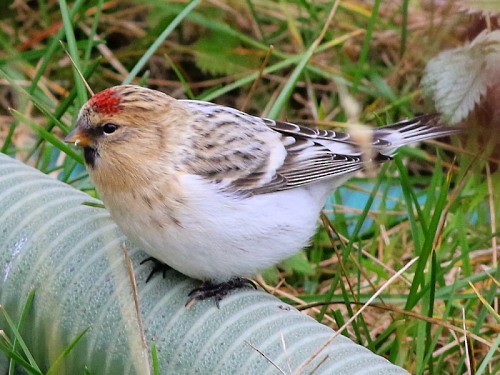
[218, 291]
[158, 266]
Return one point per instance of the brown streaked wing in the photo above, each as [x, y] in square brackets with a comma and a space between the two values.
[251, 155]
[298, 170]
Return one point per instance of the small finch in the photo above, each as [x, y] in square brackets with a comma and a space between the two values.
[213, 192]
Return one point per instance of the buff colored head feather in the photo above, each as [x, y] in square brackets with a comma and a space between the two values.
[123, 128]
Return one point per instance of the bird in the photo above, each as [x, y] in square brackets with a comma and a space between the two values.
[216, 193]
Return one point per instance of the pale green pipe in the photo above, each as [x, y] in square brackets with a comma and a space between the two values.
[73, 256]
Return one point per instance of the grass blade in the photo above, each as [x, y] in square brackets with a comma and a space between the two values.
[19, 340]
[64, 354]
[48, 136]
[158, 42]
[73, 51]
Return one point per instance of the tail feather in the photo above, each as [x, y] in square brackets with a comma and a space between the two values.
[413, 130]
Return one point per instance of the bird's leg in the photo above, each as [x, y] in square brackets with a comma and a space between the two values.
[158, 266]
[218, 291]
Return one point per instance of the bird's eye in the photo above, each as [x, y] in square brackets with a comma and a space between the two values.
[109, 128]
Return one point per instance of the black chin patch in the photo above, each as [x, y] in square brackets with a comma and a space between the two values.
[90, 154]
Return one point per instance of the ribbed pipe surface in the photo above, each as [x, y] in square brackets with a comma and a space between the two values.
[73, 256]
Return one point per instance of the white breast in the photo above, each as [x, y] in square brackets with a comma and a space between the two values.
[218, 236]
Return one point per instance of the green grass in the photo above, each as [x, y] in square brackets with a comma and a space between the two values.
[377, 56]
[17, 350]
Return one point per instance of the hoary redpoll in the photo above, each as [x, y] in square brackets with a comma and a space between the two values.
[213, 192]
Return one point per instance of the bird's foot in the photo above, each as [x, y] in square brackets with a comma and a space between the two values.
[218, 291]
[158, 266]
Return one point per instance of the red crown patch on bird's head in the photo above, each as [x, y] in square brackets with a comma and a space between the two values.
[106, 102]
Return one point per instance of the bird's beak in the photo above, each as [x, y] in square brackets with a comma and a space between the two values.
[78, 137]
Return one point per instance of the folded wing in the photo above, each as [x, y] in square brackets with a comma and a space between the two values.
[251, 155]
